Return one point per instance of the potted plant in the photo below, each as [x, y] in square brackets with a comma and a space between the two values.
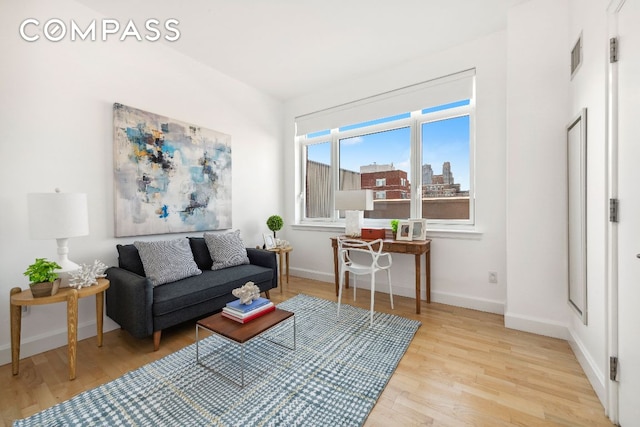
[394, 226]
[43, 280]
[275, 223]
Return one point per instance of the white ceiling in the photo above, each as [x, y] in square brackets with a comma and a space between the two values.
[291, 47]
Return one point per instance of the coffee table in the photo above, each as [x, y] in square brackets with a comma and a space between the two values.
[242, 333]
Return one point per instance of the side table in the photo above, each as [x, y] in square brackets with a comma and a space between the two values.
[21, 298]
[282, 251]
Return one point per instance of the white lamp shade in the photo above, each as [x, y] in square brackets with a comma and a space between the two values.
[354, 200]
[57, 215]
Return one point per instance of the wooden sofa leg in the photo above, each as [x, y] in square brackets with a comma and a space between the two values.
[266, 294]
[156, 340]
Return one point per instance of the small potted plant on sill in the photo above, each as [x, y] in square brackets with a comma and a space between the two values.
[43, 280]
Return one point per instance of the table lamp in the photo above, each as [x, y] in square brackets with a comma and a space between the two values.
[59, 216]
[354, 203]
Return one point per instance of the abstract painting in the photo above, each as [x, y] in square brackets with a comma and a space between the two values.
[170, 176]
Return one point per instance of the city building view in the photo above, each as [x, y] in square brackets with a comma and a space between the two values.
[442, 197]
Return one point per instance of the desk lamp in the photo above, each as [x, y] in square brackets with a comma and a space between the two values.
[354, 203]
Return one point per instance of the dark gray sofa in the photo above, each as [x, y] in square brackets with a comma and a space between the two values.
[143, 310]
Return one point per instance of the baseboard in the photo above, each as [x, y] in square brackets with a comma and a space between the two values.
[313, 275]
[590, 368]
[474, 303]
[536, 325]
[48, 341]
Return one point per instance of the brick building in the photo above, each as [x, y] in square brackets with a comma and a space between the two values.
[386, 181]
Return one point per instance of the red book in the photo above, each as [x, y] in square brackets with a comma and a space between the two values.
[254, 315]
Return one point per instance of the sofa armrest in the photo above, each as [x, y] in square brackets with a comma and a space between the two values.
[266, 259]
[129, 301]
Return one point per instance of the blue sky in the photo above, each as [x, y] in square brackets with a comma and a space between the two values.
[444, 140]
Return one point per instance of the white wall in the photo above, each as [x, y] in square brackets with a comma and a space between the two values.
[541, 101]
[537, 114]
[478, 253]
[56, 131]
[587, 89]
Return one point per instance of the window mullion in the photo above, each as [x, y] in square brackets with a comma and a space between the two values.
[335, 172]
[416, 169]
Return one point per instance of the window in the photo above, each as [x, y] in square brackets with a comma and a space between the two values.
[446, 168]
[418, 163]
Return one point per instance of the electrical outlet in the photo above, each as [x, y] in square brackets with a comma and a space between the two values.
[26, 309]
[493, 277]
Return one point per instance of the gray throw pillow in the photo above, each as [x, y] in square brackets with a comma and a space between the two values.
[167, 261]
[227, 249]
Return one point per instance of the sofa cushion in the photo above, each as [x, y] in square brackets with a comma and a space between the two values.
[167, 260]
[129, 259]
[207, 286]
[226, 249]
[201, 254]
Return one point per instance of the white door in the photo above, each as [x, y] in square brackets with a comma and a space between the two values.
[629, 220]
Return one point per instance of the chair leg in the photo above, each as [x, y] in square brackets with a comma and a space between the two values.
[355, 285]
[390, 291]
[341, 283]
[373, 293]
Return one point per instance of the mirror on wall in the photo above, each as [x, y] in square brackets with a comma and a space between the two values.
[577, 213]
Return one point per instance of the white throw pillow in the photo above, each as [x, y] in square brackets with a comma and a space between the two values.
[226, 249]
[167, 261]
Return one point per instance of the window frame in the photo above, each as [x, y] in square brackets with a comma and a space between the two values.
[414, 122]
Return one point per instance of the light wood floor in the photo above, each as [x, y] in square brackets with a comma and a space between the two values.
[463, 368]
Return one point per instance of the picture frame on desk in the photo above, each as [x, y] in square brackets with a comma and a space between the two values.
[269, 241]
[405, 230]
[419, 230]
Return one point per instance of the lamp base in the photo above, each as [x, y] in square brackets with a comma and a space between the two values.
[66, 265]
[353, 223]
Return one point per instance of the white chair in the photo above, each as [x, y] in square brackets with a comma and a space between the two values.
[368, 262]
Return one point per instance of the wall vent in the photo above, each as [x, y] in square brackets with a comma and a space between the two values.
[576, 56]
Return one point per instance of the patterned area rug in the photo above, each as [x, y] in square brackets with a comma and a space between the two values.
[332, 378]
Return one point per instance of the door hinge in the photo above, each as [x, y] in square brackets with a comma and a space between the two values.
[613, 210]
[613, 368]
[613, 50]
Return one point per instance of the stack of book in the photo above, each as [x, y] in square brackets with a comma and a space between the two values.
[244, 313]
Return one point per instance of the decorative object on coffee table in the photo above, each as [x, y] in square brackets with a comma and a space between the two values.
[87, 275]
[43, 279]
[247, 293]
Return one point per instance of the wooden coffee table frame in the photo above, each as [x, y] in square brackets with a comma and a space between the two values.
[242, 333]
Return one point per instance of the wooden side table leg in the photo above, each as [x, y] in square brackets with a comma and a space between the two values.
[418, 298]
[72, 331]
[16, 326]
[281, 269]
[99, 316]
[427, 256]
[287, 262]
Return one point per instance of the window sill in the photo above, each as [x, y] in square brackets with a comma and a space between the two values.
[432, 233]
